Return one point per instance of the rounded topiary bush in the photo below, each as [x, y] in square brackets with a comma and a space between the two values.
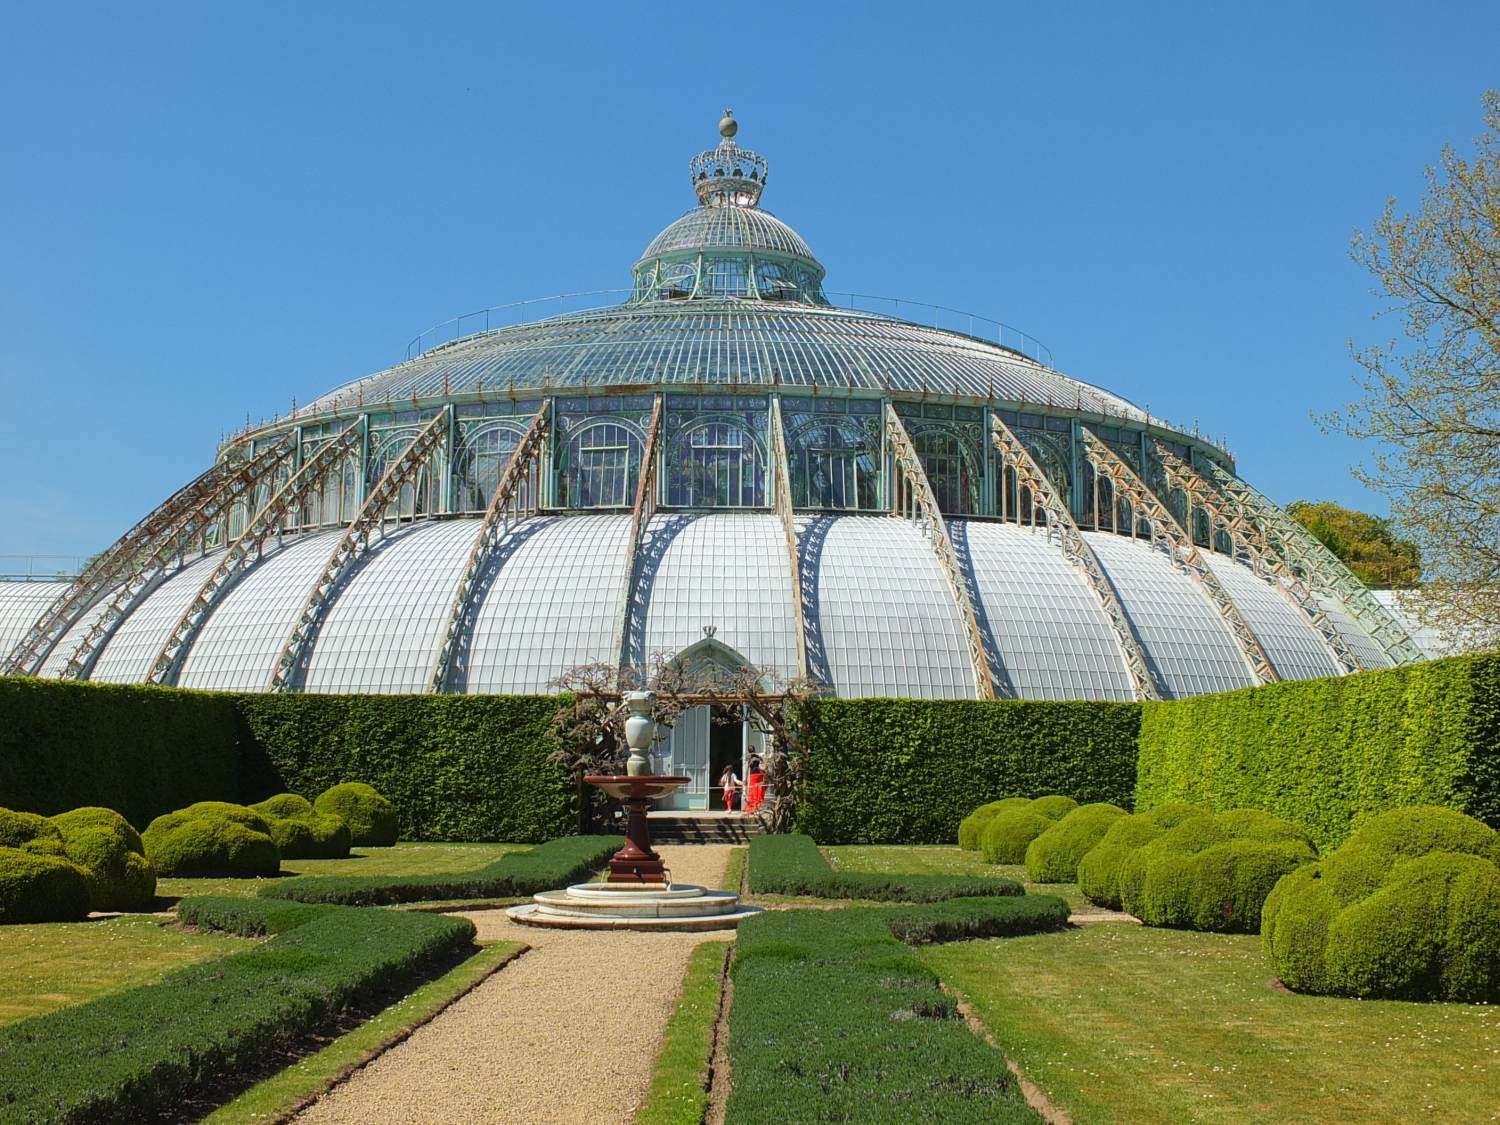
[1405, 909]
[1053, 856]
[972, 825]
[1212, 872]
[41, 888]
[29, 832]
[283, 806]
[110, 851]
[1099, 869]
[212, 838]
[311, 837]
[1010, 831]
[371, 818]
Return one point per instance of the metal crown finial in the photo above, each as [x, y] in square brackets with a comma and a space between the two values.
[728, 126]
[728, 176]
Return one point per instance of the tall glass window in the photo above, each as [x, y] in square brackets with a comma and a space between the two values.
[726, 277]
[950, 470]
[716, 464]
[482, 460]
[836, 465]
[603, 463]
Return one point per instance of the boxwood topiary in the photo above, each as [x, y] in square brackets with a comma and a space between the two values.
[29, 832]
[41, 888]
[1099, 869]
[1405, 909]
[1212, 872]
[110, 851]
[1054, 855]
[371, 818]
[282, 806]
[212, 838]
[972, 825]
[311, 837]
[1010, 831]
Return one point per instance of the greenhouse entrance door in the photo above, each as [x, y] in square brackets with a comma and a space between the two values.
[688, 755]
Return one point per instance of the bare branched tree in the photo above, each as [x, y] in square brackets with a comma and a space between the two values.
[1431, 404]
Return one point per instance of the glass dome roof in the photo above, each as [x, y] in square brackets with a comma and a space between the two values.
[733, 228]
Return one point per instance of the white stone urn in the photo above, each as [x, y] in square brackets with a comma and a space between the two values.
[640, 729]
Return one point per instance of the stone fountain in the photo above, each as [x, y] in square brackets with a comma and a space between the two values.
[639, 893]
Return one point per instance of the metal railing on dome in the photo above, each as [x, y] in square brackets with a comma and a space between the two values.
[480, 321]
[41, 568]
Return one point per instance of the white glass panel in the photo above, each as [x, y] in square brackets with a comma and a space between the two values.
[21, 603]
[130, 652]
[1053, 638]
[1181, 632]
[1296, 649]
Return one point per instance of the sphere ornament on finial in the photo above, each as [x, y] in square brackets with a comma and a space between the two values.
[728, 176]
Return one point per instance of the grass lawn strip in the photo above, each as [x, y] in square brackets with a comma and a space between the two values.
[834, 1019]
[279, 1097]
[161, 1048]
[51, 965]
[1125, 1023]
[679, 1086]
[420, 858]
[514, 875]
[939, 859]
[793, 865]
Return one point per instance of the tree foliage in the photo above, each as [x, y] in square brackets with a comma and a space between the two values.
[1432, 402]
[1362, 542]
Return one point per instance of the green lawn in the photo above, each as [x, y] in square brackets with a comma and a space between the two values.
[943, 859]
[51, 965]
[1125, 1023]
[403, 859]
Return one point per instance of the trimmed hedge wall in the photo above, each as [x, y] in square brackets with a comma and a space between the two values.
[141, 751]
[906, 771]
[457, 767]
[1327, 754]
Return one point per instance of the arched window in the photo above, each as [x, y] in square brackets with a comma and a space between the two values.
[481, 461]
[835, 464]
[601, 465]
[950, 465]
[717, 464]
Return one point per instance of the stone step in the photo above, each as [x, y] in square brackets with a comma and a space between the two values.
[705, 829]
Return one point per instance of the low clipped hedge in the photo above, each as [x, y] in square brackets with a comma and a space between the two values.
[212, 839]
[1407, 908]
[793, 865]
[834, 1019]
[1213, 872]
[112, 855]
[1010, 832]
[515, 875]
[1053, 856]
[138, 1055]
[1326, 754]
[1099, 869]
[971, 826]
[371, 818]
[907, 771]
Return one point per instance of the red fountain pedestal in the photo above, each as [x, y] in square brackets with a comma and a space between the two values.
[637, 861]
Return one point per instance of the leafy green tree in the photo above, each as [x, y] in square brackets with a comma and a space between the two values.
[1362, 542]
[1431, 402]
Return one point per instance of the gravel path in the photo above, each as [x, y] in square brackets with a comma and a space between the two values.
[544, 1039]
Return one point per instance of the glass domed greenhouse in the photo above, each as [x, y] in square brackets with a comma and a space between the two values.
[864, 498]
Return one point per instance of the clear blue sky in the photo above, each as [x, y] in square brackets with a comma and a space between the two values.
[210, 210]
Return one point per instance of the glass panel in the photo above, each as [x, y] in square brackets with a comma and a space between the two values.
[601, 466]
[716, 464]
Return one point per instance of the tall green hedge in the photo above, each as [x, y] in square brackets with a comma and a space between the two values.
[1326, 754]
[457, 767]
[905, 771]
[141, 751]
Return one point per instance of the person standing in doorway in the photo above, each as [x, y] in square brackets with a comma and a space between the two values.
[729, 782]
[755, 786]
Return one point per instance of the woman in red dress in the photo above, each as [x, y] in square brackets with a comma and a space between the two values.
[755, 786]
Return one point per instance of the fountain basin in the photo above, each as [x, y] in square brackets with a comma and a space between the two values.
[605, 906]
[643, 787]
